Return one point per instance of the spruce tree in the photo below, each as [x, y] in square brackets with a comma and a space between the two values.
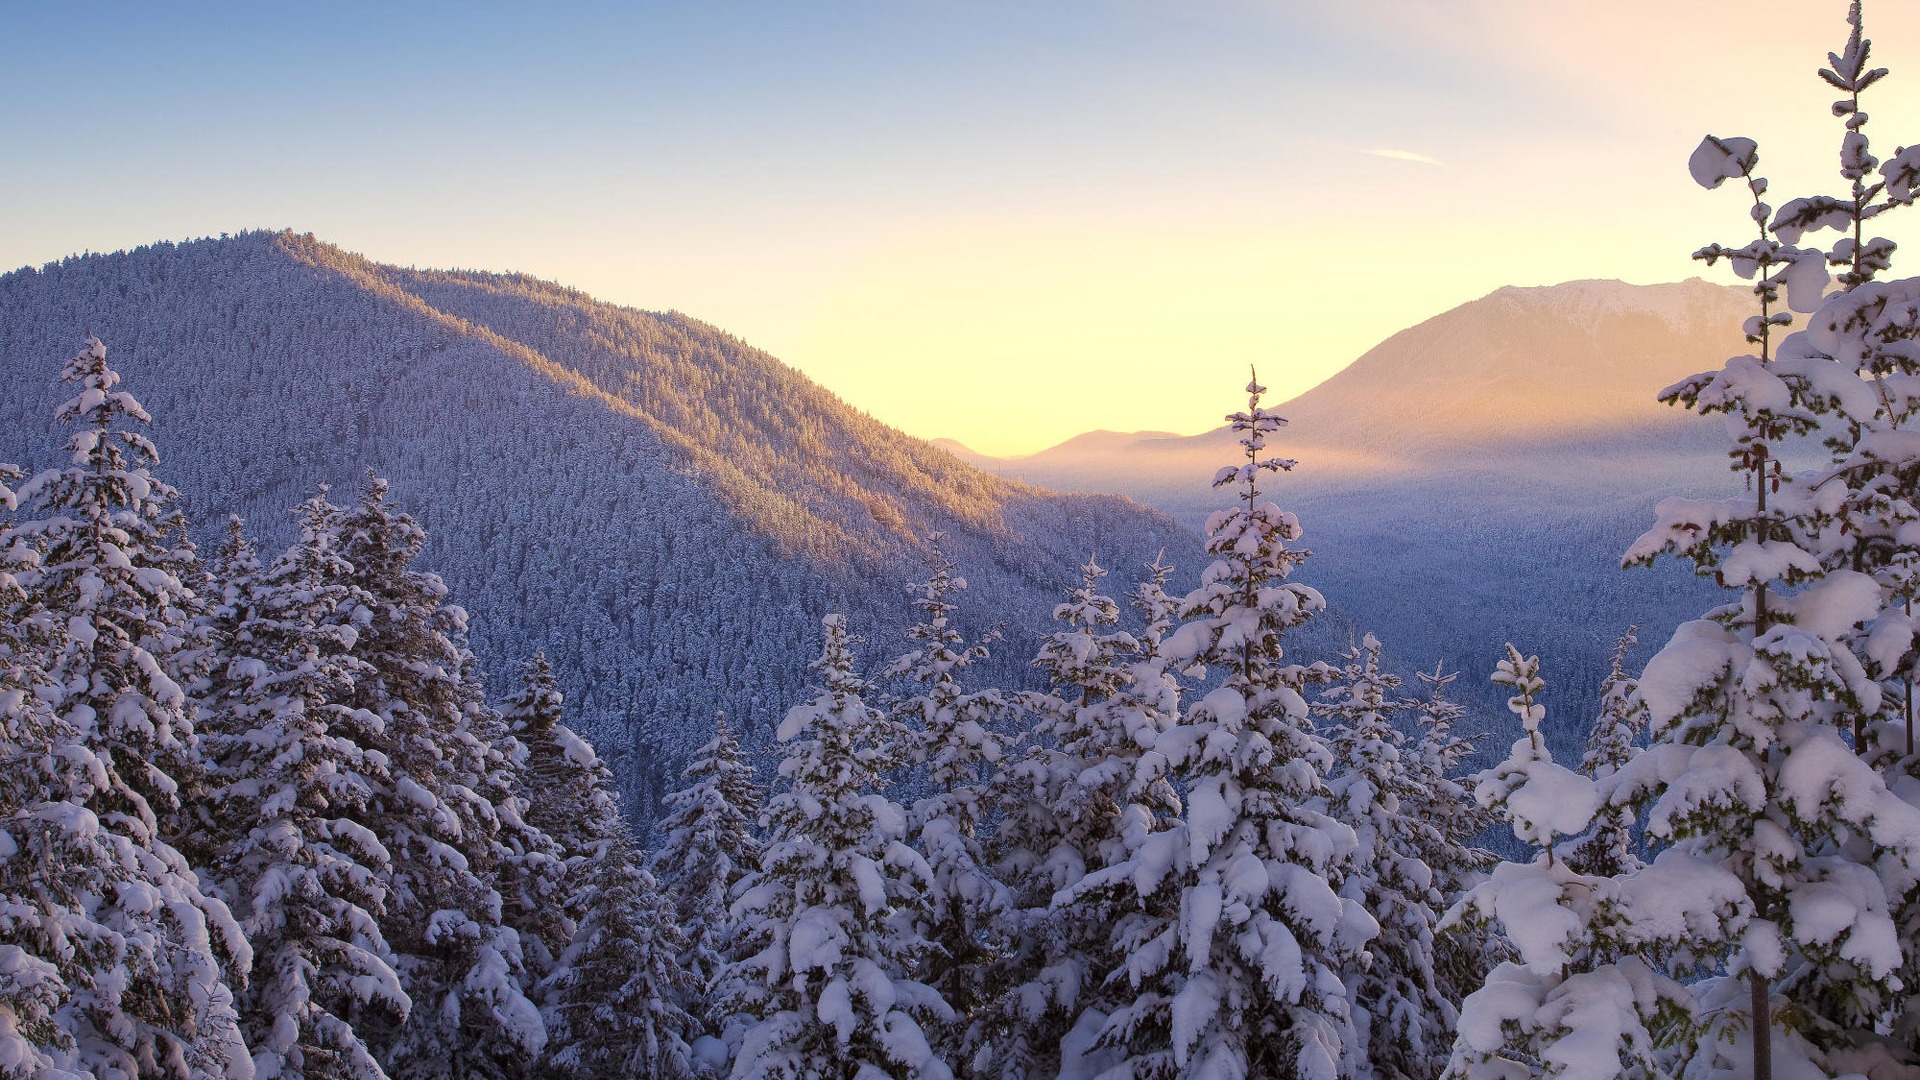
[707, 846]
[97, 584]
[1607, 847]
[438, 816]
[953, 742]
[616, 993]
[1756, 712]
[832, 919]
[106, 570]
[1234, 954]
[307, 879]
[1405, 1023]
[1086, 785]
[1584, 996]
[564, 797]
[1464, 953]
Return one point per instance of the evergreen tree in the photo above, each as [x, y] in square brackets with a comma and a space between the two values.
[438, 816]
[1404, 1021]
[1582, 999]
[708, 845]
[1751, 768]
[307, 878]
[106, 571]
[1607, 848]
[97, 583]
[952, 740]
[568, 819]
[1465, 952]
[1233, 957]
[616, 992]
[614, 987]
[1086, 787]
[831, 921]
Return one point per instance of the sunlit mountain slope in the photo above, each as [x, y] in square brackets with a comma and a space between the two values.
[662, 508]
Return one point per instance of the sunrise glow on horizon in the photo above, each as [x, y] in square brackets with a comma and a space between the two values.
[997, 222]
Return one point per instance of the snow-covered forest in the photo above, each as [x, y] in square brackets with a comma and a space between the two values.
[582, 470]
[261, 816]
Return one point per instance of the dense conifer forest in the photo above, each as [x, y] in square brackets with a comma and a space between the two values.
[263, 814]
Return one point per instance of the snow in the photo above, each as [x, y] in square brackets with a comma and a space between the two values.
[1716, 160]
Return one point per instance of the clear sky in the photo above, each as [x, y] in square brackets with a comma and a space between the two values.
[1005, 221]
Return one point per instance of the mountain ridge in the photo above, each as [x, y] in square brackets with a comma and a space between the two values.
[1475, 478]
[662, 508]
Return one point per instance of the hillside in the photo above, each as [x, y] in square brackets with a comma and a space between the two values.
[1474, 479]
[662, 508]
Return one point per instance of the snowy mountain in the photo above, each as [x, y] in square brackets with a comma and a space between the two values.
[665, 510]
[1475, 478]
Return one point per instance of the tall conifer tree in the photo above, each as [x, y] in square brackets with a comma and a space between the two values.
[99, 587]
[307, 878]
[707, 846]
[438, 816]
[1234, 955]
[1405, 1022]
[832, 920]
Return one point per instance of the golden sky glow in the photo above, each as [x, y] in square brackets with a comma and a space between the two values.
[1001, 222]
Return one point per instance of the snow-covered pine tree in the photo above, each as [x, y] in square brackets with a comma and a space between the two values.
[1607, 847]
[1463, 954]
[707, 846]
[307, 879]
[50, 946]
[1405, 1023]
[614, 992]
[107, 572]
[1086, 786]
[569, 815]
[79, 958]
[615, 996]
[1748, 769]
[831, 922]
[96, 579]
[459, 961]
[1234, 953]
[953, 745]
[1582, 998]
[1856, 363]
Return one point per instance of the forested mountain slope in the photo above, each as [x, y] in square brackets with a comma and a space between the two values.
[662, 508]
[1475, 479]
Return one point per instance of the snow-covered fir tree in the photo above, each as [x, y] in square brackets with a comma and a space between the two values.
[1234, 953]
[707, 846]
[1607, 847]
[96, 584]
[1087, 787]
[106, 570]
[1583, 997]
[1854, 364]
[1755, 711]
[613, 990]
[1442, 796]
[1405, 1022]
[953, 745]
[566, 793]
[832, 920]
[615, 998]
[439, 816]
[293, 779]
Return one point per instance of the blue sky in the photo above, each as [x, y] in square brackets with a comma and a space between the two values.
[955, 214]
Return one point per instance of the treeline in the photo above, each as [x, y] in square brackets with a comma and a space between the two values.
[261, 819]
